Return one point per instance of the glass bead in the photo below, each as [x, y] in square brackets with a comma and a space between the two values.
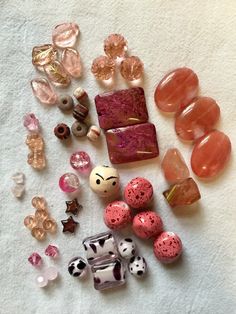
[39, 202]
[127, 248]
[50, 225]
[51, 273]
[57, 74]
[65, 35]
[41, 215]
[131, 68]
[69, 182]
[43, 91]
[38, 233]
[31, 123]
[72, 207]
[71, 62]
[30, 222]
[36, 158]
[80, 161]
[94, 133]
[79, 129]
[18, 178]
[115, 46]
[44, 54]
[51, 251]
[103, 68]
[18, 190]
[100, 247]
[62, 131]
[65, 103]
[78, 267]
[137, 266]
[41, 281]
[69, 225]
[35, 259]
[108, 274]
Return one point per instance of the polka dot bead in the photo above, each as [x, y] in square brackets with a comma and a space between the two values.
[117, 215]
[127, 248]
[138, 193]
[147, 225]
[167, 247]
[137, 266]
[78, 267]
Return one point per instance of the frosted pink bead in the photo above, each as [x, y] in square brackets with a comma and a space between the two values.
[43, 91]
[210, 154]
[41, 281]
[131, 68]
[174, 166]
[80, 161]
[65, 35]
[35, 259]
[117, 215]
[51, 251]
[103, 68]
[57, 74]
[69, 182]
[147, 225]
[167, 247]
[31, 122]
[115, 46]
[51, 273]
[71, 62]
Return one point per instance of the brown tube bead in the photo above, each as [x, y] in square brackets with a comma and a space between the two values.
[62, 131]
[80, 112]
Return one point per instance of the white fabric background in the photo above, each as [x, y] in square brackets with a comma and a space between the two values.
[165, 35]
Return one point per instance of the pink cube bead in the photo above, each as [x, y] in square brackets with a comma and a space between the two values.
[35, 259]
[69, 182]
[80, 161]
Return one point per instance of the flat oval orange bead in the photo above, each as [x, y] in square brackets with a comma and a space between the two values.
[210, 154]
[197, 119]
[176, 90]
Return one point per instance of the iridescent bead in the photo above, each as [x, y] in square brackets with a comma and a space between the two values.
[35, 259]
[41, 281]
[80, 112]
[131, 68]
[103, 68]
[30, 222]
[93, 133]
[51, 251]
[57, 74]
[43, 91]
[38, 233]
[115, 46]
[79, 129]
[71, 62]
[62, 131]
[65, 35]
[80, 161]
[31, 123]
[65, 103]
[50, 225]
[44, 54]
[69, 182]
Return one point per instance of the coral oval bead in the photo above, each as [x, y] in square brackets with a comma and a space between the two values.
[210, 154]
[176, 90]
[197, 119]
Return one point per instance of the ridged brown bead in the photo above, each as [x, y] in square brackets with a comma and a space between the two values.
[80, 112]
[62, 131]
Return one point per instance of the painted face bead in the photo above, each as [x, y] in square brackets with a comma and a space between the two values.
[138, 193]
[147, 225]
[127, 248]
[78, 267]
[117, 215]
[137, 266]
[104, 181]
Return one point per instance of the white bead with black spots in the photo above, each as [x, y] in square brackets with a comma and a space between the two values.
[78, 267]
[127, 248]
[137, 266]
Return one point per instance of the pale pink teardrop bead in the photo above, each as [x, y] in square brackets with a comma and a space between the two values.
[43, 91]
[65, 35]
[71, 62]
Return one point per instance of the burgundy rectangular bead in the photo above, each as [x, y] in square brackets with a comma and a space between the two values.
[132, 143]
[121, 108]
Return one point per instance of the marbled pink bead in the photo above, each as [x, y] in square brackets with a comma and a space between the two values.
[69, 182]
[132, 143]
[52, 251]
[43, 91]
[31, 122]
[121, 108]
[71, 62]
[35, 259]
[80, 161]
[65, 35]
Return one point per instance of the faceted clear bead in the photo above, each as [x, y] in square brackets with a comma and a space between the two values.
[57, 74]
[115, 46]
[18, 190]
[65, 35]
[43, 91]
[71, 62]
[31, 122]
[80, 161]
[18, 178]
[131, 68]
[103, 68]
[44, 54]
[69, 182]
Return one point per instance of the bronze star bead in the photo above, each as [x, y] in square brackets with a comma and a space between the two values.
[69, 225]
[73, 207]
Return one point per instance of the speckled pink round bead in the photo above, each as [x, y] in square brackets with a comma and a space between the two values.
[117, 215]
[167, 247]
[69, 182]
[138, 192]
[80, 161]
[147, 225]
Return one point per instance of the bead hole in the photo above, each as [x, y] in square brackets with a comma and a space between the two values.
[61, 130]
[79, 128]
[64, 102]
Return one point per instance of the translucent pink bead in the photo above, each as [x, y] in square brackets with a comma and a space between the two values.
[57, 74]
[69, 182]
[65, 35]
[115, 46]
[31, 122]
[41, 281]
[43, 91]
[80, 161]
[51, 273]
[52, 251]
[35, 259]
[71, 62]
[131, 68]
[103, 68]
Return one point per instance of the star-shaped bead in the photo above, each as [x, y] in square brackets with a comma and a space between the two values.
[69, 225]
[73, 207]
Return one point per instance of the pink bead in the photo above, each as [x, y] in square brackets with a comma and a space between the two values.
[103, 68]
[138, 193]
[117, 215]
[131, 68]
[41, 281]
[52, 251]
[69, 182]
[31, 122]
[80, 161]
[115, 46]
[71, 62]
[43, 91]
[35, 259]
[167, 247]
[51, 273]
[65, 35]
[147, 225]
[57, 74]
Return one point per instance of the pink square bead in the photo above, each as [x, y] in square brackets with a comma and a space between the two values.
[35, 259]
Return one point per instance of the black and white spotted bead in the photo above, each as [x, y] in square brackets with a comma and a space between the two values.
[127, 248]
[137, 266]
[77, 267]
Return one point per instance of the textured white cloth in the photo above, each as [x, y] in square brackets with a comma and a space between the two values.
[165, 35]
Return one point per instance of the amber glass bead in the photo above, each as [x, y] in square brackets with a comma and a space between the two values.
[38, 233]
[30, 222]
[50, 225]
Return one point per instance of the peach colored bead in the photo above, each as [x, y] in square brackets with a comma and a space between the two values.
[103, 68]
[44, 54]
[41, 214]
[43, 91]
[197, 119]
[38, 233]
[71, 62]
[36, 157]
[57, 74]
[210, 154]
[131, 68]
[176, 90]
[50, 225]
[39, 202]
[65, 35]
[174, 166]
[115, 46]
[30, 222]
